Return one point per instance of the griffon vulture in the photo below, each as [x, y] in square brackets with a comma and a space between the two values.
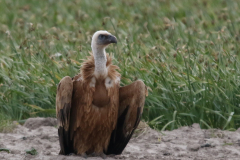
[95, 115]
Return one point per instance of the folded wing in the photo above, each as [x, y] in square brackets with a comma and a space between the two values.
[131, 103]
[63, 107]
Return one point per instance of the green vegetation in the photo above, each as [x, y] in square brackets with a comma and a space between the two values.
[186, 52]
[5, 150]
[32, 151]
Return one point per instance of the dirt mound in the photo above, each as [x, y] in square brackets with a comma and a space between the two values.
[34, 123]
[185, 143]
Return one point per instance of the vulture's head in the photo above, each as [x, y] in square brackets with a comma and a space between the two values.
[102, 39]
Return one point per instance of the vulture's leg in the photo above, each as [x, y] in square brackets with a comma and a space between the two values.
[131, 103]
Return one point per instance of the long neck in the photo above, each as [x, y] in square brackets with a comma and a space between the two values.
[100, 61]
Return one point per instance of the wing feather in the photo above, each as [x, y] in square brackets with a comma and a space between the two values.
[63, 107]
[131, 103]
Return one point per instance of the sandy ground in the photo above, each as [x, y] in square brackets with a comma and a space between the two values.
[185, 143]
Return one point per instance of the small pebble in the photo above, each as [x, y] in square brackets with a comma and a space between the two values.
[194, 147]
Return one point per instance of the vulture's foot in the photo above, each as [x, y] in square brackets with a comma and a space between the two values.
[72, 154]
[102, 155]
[84, 155]
[112, 155]
[116, 156]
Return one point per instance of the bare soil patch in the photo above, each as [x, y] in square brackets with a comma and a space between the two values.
[185, 143]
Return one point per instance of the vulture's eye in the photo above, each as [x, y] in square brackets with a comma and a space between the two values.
[102, 36]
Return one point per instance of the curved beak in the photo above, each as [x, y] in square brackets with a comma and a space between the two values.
[112, 39]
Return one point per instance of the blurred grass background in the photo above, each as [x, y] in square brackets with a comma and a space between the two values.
[186, 52]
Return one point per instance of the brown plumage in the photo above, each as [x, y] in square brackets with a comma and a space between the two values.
[95, 114]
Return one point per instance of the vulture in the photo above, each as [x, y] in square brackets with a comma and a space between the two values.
[96, 116]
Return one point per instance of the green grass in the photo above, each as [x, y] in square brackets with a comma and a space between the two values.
[32, 151]
[186, 52]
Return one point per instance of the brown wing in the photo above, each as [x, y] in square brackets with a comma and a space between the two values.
[63, 107]
[80, 112]
[131, 103]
